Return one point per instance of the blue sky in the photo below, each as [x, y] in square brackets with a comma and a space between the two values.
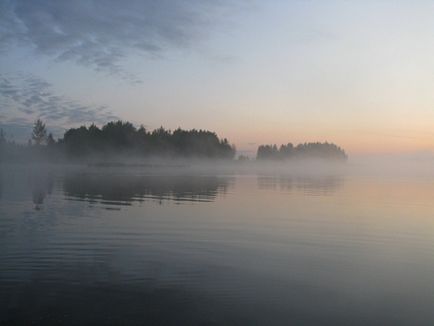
[358, 73]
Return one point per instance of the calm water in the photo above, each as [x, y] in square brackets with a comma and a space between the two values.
[111, 247]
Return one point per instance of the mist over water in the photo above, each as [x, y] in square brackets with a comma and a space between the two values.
[252, 243]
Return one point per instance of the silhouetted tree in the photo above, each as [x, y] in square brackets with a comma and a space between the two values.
[306, 150]
[39, 133]
[286, 151]
[50, 140]
[120, 136]
[267, 152]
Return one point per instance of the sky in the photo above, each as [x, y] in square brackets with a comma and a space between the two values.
[356, 73]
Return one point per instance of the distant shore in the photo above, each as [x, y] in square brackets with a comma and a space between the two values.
[121, 143]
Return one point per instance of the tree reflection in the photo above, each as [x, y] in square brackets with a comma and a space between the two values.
[126, 189]
[1, 184]
[309, 185]
[41, 185]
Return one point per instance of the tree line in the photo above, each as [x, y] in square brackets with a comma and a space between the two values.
[316, 150]
[123, 138]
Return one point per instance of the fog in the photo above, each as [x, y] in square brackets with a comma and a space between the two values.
[369, 165]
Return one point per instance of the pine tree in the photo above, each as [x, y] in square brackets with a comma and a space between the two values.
[39, 134]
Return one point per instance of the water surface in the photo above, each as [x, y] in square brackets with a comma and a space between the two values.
[134, 247]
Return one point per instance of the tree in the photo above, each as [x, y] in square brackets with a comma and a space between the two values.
[39, 134]
[305, 151]
[50, 140]
[243, 158]
[267, 152]
[122, 136]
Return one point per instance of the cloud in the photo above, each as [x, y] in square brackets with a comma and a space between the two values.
[25, 97]
[99, 34]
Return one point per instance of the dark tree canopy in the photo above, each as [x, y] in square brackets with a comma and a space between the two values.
[325, 150]
[124, 139]
[120, 136]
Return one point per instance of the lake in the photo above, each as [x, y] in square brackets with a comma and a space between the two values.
[118, 246]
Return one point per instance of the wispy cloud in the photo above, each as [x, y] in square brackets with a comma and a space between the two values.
[99, 34]
[24, 98]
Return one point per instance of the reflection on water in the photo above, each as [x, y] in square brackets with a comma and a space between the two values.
[310, 185]
[125, 189]
[1, 183]
[109, 187]
[41, 185]
[246, 250]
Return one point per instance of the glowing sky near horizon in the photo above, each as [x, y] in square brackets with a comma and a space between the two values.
[357, 73]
